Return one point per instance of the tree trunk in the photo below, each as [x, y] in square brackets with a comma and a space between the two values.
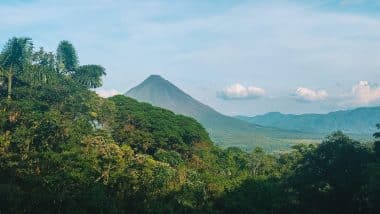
[10, 84]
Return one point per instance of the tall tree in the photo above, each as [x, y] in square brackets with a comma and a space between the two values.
[329, 178]
[2, 73]
[377, 142]
[89, 76]
[42, 69]
[67, 57]
[14, 57]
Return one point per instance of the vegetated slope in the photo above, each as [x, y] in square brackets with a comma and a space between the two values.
[148, 128]
[63, 149]
[224, 130]
[360, 121]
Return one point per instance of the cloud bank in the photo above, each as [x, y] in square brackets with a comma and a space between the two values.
[239, 92]
[321, 43]
[364, 93]
[107, 92]
[310, 95]
[361, 94]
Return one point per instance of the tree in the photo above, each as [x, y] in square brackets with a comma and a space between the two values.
[89, 76]
[254, 195]
[377, 143]
[14, 57]
[67, 58]
[44, 66]
[372, 189]
[260, 164]
[2, 74]
[41, 70]
[329, 179]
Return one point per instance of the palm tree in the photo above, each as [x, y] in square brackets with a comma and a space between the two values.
[377, 134]
[14, 57]
[89, 75]
[67, 58]
[377, 142]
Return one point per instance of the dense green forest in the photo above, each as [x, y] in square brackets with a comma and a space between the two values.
[63, 149]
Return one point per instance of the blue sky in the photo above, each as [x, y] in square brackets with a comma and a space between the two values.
[240, 57]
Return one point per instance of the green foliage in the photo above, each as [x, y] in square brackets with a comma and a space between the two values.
[171, 157]
[14, 59]
[147, 128]
[377, 142]
[63, 149]
[254, 195]
[331, 176]
[89, 75]
[67, 58]
[16, 54]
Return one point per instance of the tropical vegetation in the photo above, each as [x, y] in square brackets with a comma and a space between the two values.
[64, 149]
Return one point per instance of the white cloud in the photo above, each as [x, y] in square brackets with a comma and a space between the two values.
[306, 94]
[238, 91]
[107, 92]
[365, 93]
[187, 40]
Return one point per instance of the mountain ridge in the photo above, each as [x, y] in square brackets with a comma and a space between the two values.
[224, 130]
[360, 121]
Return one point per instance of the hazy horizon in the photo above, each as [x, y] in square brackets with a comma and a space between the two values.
[111, 93]
[239, 57]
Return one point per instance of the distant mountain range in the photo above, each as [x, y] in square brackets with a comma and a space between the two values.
[360, 121]
[224, 130]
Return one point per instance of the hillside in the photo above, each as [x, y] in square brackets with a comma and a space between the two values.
[224, 130]
[360, 121]
[64, 149]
